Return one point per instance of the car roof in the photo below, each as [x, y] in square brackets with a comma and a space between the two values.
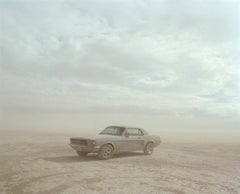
[124, 126]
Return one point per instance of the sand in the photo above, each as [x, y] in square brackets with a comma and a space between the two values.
[42, 162]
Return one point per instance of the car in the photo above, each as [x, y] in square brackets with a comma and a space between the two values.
[115, 139]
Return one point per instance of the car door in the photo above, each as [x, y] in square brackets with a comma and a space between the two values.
[135, 140]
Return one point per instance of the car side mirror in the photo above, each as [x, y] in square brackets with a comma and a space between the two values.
[127, 134]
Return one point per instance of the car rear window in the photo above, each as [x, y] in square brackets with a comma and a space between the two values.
[134, 131]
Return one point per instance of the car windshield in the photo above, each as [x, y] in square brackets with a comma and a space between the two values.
[113, 131]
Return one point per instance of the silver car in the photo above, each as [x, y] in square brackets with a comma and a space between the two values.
[115, 139]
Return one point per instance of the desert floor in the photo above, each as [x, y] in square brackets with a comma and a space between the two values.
[44, 163]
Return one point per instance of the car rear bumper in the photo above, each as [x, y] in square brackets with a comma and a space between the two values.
[85, 148]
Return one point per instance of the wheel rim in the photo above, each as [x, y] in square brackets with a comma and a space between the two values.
[106, 152]
[150, 148]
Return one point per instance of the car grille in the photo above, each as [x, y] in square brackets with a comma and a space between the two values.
[78, 141]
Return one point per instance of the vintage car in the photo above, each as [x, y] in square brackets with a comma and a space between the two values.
[115, 139]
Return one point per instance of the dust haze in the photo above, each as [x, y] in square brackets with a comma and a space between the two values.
[71, 68]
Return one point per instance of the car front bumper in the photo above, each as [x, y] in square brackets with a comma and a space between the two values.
[85, 148]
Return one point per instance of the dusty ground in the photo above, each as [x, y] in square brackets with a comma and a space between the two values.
[44, 163]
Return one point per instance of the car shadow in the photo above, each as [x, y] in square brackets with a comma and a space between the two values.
[128, 154]
[89, 157]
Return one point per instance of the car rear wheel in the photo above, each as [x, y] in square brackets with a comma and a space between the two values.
[148, 150]
[105, 152]
[82, 154]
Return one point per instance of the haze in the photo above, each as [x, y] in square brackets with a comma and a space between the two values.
[81, 65]
[69, 68]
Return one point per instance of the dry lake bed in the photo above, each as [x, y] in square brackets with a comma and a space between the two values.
[42, 162]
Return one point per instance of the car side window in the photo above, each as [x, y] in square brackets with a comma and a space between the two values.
[134, 132]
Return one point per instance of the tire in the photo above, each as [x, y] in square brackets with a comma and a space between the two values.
[82, 154]
[106, 152]
[148, 150]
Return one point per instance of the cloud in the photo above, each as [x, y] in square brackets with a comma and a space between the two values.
[178, 58]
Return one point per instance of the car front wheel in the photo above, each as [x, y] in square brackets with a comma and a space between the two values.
[105, 152]
[82, 154]
[148, 150]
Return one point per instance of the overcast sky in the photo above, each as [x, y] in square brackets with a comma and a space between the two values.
[154, 63]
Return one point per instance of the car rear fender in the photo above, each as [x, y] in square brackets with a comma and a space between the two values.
[150, 141]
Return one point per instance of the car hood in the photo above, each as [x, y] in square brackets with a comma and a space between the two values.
[98, 137]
